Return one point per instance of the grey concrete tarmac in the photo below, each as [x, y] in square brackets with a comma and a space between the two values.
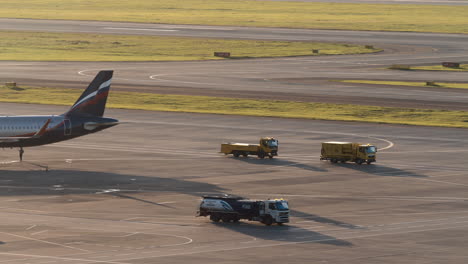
[129, 194]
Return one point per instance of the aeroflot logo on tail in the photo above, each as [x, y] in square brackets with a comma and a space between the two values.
[91, 95]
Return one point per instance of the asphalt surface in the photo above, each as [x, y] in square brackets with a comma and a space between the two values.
[281, 78]
[129, 194]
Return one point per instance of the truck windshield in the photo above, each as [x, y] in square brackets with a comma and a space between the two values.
[282, 205]
[371, 149]
[272, 143]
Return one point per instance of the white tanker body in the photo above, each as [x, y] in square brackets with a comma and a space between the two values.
[232, 209]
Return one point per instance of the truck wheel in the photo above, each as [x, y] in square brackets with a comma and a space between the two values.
[270, 156]
[245, 155]
[359, 161]
[334, 160]
[214, 218]
[368, 162]
[226, 218]
[236, 154]
[268, 221]
[261, 155]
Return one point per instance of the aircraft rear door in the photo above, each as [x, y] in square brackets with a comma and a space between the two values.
[67, 126]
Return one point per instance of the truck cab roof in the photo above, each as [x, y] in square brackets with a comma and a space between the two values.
[337, 142]
[223, 197]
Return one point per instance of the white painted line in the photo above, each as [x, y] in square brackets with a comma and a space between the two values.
[40, 232]
[142, 29]
[444, 182]
[19, 209]
[189, 240]
[250, 241]
[132, 218]
[31, 227]
[44, 241]
[390, 144]
[153, 77]
[127, 235]
[63, 258]
[292, 243]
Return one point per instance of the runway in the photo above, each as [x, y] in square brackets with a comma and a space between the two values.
[296, 78]
[129, 194]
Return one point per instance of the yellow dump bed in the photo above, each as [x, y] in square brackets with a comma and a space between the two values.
[228, 148]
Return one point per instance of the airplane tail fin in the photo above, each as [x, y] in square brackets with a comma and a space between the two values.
[93, 100]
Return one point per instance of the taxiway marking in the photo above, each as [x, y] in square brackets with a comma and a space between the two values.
[63, 258]
[349, 236]
[39, 232]
[31, 227]
[128, 235]
[44, 241]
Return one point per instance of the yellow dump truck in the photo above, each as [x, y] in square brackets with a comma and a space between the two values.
[347, 151]
[268, 147]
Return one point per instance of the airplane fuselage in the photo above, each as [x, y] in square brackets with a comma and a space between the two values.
[84, 117]
[60, 128]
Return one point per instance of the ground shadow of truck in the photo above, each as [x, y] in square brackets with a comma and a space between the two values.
[289, 234]
[276, 162]
[322, 219]
[381, 170]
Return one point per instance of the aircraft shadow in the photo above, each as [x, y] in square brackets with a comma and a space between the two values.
[58, 182]
[126, 196]
[287, 233]
[381, 170]
[278, 162]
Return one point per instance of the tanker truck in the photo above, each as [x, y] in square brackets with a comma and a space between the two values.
[347, 151]
[232, 209]
[268, 147]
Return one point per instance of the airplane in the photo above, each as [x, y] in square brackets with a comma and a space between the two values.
[84, 117]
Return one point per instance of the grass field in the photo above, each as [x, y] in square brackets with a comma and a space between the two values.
[422, 18]
[249, 107]
[37, 46]
[416, 84]
[463, 67]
